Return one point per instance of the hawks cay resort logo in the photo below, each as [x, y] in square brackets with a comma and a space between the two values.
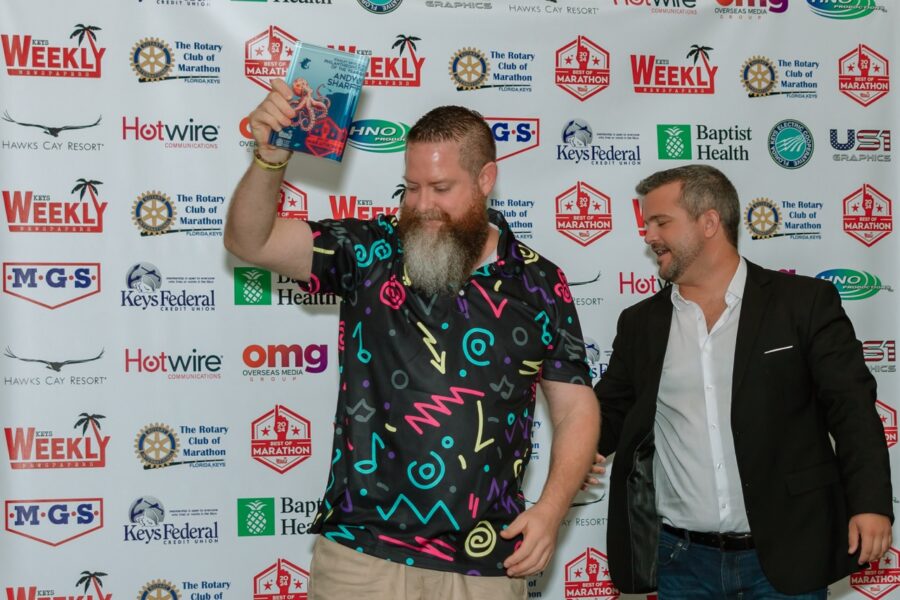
[30, 56]
[39, 129]
[153, 60]
[767, 219]
[144, 290]
[158, 445]
[29, 371]
[254, 286]
[54, 522]
[30, 212]
[714, 143]
[156, 213]
[32, 448]
[789, 77]
[580, 145]
[149, 522]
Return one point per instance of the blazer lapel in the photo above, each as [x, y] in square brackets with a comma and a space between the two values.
[753, 307]
[659, 322]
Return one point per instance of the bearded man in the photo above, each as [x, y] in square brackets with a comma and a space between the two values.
[449, 323]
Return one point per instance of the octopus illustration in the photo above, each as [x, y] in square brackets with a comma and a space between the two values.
[310, 106]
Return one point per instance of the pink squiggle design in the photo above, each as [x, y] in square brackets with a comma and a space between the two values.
[425, 546]
[473, 504]
[562, 288]
[497, 309]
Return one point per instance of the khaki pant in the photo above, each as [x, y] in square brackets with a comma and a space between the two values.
[341, 573]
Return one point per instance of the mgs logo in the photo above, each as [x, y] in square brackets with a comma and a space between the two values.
[882, 576]
[868, 215]
[790, 144]
[51, 285]
[674, 142]
[281, 439]
[292, 202]
[54, 522]
[28, 56]
[863, 75]
[267, 55]
[255, 516]
[281, 581]
[583, 213]
[514, 135]
[587, 576]
[582, 68]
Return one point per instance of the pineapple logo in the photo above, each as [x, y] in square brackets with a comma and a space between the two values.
[674, 142]
[252, 286]
[256, 516]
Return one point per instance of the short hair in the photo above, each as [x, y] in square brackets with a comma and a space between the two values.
[458, 124]
[703, 188]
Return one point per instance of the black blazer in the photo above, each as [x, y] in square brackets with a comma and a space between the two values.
[799, 490]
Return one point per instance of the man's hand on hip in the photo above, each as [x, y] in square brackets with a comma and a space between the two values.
[871, 534]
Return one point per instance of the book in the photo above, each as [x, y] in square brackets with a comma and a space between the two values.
[326, 85]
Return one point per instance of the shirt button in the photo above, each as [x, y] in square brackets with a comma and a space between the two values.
[709, 387]
[719, 467]
[723, 505]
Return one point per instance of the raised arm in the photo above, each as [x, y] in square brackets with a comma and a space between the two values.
[252, 231]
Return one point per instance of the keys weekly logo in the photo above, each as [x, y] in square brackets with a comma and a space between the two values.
[29, 448]
[54, 522]
[26, 55]
[91, 580]
[27, 211]
[392, 71]
[654, 75]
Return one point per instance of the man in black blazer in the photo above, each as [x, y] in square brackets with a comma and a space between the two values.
[718, 402]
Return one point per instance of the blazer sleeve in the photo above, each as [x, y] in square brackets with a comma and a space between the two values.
[847, 391]
[615, 391]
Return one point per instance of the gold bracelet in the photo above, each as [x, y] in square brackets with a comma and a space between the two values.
[269, 166]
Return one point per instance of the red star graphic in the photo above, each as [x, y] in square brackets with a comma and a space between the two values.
[854, 207]
[265, 431]
[606, 572]
[298, 584]
[568, 60]
[268, 585]
[884, 418]
[578, 573]
[289, 51]
[851, 67]
[568, 206]
[886, 560]
[876, 68]
[292, 203]
[596, 206]
[596, 61]
[259, 51]
[295, 430]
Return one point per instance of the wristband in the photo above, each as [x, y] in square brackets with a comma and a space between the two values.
[269, 166]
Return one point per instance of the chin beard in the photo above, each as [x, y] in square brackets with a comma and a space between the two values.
[439, 261]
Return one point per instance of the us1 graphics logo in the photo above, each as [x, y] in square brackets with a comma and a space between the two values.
[863, 75]
[582, 68]
[28, 56]
[587, 576]
[653, 75]
[51, 285]
[54, 522]
[280, 439]
[30, 448]
[392, 71]
[868, 215]
[583, 213]
[862, 145]
[880, 355]
[281, 581]
[27, 211]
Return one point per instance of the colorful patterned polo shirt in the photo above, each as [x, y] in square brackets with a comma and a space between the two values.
[437, 396]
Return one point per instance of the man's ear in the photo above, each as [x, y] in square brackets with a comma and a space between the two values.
[487, 178]
[712, 222]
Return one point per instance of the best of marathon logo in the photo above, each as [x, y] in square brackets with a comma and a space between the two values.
[587, 576]
[155, 213]
[882, 576]
[292, 202]
[754, 9]
[514, 135]
[281, 439]
[158, 445]
[880, 355]
[470, 69]
[189, 135]
[175, 366]
[153, 60]
[789, 77]
[282, 580]
[797, 219]
[283, 362]
[150, 522]
[51, 285]
[254, 286]
[257, 516]
[144, 290]
[29, 212]
[863, 75]
[661, 7]
[888, 417]
[674, 142]
[52, 131]
[518, 215]
[583, 213]
[868, 215]
[581, 145]
[653, 75]
[28, 56]
[54, 522]
[582, 68]
[53, 365]
[30, 448]
[267, 55]
[89, 579]
[402, 70]
[862, 145]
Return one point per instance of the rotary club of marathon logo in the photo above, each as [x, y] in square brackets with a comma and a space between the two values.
[587, 576]
[281, 581]
[582, 68]
[154, 213]
[158, 445]
[159, 589]
[153, 60]
[881, 578]
[863, 75]
[868, 215]
[583, 213]
[281, 439]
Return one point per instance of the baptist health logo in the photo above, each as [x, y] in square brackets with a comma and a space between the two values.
[255, 517]
[253, 287]
[674, 141]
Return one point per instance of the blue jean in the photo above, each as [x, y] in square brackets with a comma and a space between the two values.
[690, 571]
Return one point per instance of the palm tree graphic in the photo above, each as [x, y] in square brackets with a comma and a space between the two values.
[83, 31]
[406, 40]
[83, 185]
[92, 420]
[698, 51]
[88, 577]
[399, 193]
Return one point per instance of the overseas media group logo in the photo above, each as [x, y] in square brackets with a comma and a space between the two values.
[155, 213]
[402, 70]
[51, 285]
[158, 445]
[53, 365]
[861, 145]
[583, 213]
[30, 212]
[31, 448]
[281, 439]
[90, 580]
[254, 286]
[864, 75]
[676, 142]
[470, 69]
[282, 580]
[29, 56]
[750, 9]
[53, 131]
[767, 219]
[582, 68]
[587, 576]
[257, 516]
[844, 10]
[513, 135]
[144, 290]
[880, 578]
[854, 285]
[283, 362]
[580, 145]
[153, 60]
[868, 215]
[54, 522]
[149, 522]
[791, 77]
[651, 74]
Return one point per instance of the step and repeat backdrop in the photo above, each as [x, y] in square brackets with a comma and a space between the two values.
[145, 373]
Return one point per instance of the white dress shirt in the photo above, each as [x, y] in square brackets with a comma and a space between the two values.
[695, 468]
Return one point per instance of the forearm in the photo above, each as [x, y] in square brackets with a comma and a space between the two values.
[252, 213]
